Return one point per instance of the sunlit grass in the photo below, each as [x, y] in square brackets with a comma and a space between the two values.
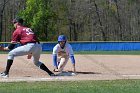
[103, 86]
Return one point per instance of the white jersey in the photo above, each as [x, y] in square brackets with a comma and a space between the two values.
[67, 50]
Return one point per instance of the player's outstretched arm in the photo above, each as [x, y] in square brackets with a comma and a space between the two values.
[73, 68]
[73, 62]
[3, 48]
[9, 47]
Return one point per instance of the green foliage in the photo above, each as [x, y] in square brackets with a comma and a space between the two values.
[39, 16]
[131, 2]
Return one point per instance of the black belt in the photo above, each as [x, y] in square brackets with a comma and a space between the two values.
[38, 42]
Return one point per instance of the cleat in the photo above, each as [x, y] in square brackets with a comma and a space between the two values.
[4, 75]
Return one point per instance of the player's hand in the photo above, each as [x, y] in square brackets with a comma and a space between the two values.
[56, 70]
[29, 56]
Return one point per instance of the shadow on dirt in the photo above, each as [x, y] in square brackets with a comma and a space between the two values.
[88, 73]
[70, 73]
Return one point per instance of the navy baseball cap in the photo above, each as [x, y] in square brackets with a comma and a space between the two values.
[18, 20]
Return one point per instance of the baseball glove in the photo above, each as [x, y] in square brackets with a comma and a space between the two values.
[1, 48]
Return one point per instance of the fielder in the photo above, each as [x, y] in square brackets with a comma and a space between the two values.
[30, 46]
[61, 54]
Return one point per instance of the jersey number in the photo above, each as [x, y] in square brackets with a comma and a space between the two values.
[28, 31]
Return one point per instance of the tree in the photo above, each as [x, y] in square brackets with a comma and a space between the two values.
[79, 20]
[1, 17]
[40, 18]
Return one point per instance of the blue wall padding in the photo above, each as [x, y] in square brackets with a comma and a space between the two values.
[97, 46]
[48, 46]
[94, 46]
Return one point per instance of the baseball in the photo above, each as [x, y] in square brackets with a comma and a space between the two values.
[73, 74]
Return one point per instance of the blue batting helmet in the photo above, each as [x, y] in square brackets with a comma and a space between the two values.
[62, 38]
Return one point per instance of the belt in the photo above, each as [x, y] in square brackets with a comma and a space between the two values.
[34, 42]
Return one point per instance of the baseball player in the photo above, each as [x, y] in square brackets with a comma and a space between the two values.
[30, 46]
[61, 54]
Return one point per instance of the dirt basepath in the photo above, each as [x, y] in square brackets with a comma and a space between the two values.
[89, 67]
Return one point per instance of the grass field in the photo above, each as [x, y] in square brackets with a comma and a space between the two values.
[97, 52]
[103, 86]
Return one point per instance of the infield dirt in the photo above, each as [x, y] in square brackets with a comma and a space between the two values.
[88, 67]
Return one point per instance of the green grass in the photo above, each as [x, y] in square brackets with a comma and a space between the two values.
[96, 52]
[103, 86]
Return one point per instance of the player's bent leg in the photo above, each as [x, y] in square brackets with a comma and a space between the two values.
[5, 74]
[36, 56]
[43, 67]
[62, 64]
[19, 51]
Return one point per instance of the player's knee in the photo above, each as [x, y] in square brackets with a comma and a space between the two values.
[38, 63]
[11, 56]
